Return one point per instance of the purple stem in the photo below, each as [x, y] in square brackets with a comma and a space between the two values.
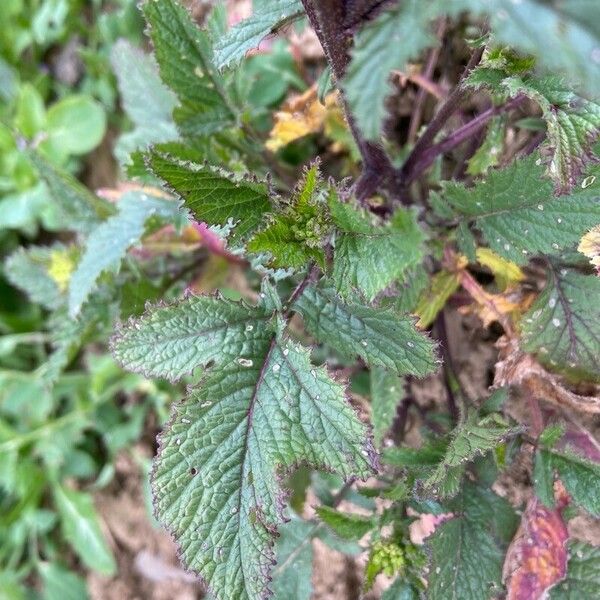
[436, 124]
[415, 119]
[327, 19]
[427, 157]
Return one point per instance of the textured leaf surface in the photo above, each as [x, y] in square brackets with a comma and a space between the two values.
[370, 257]
[580, 478]
[108, 243]
[467, 551]
[294, 237]
[387, 391]
[80, 527]
[562, 326]
[184, 56]
[583, 574]
[379, 336]
[573, 124]
[171, 341]
[215, 480]
[381, 46]
[145, 99]
[213, 195]
[474, 437]
[248, 34]
[518, 214]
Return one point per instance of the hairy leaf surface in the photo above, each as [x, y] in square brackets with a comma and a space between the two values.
[215, 480]
[213, 195]
[248, 34]
[294, 237]
[573, 122]
[580, 478]
[562, 327]
[470, 439]
[518, 214]
[171, 341]
[184, 56]
[583, 574]
[379, 336]
[370, 257]
[467, 551]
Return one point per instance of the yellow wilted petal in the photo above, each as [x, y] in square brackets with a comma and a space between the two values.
[300, 116]
[505, 271]
[590, 245]
[61, 267]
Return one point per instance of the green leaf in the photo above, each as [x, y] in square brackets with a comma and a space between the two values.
[294, 552]
[543, 478]
[370, 257]
[214, 480]
[379, 336]
[489, 153]
[443, 284]
[294, 238]
[172, 341]
[80, 528]
[466, 558]
[583, 574]
[573, 124]
[60, 583]
[519, 216]
[385, 44]
[184, 56]
[213, 195]
[75, 125]
[247, 34]
[79, 209]
[27, 270]
[472, 438]
[387, 391]
[144, 98]
[580, 477]
[346, 526]
[400, 590]
[107, 245]
[571, 29]
[30, 116]
[562, 327]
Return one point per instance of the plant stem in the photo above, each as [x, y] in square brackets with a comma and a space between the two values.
[327, 19]
[415, 119]
[436, 124]
[427, 157]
